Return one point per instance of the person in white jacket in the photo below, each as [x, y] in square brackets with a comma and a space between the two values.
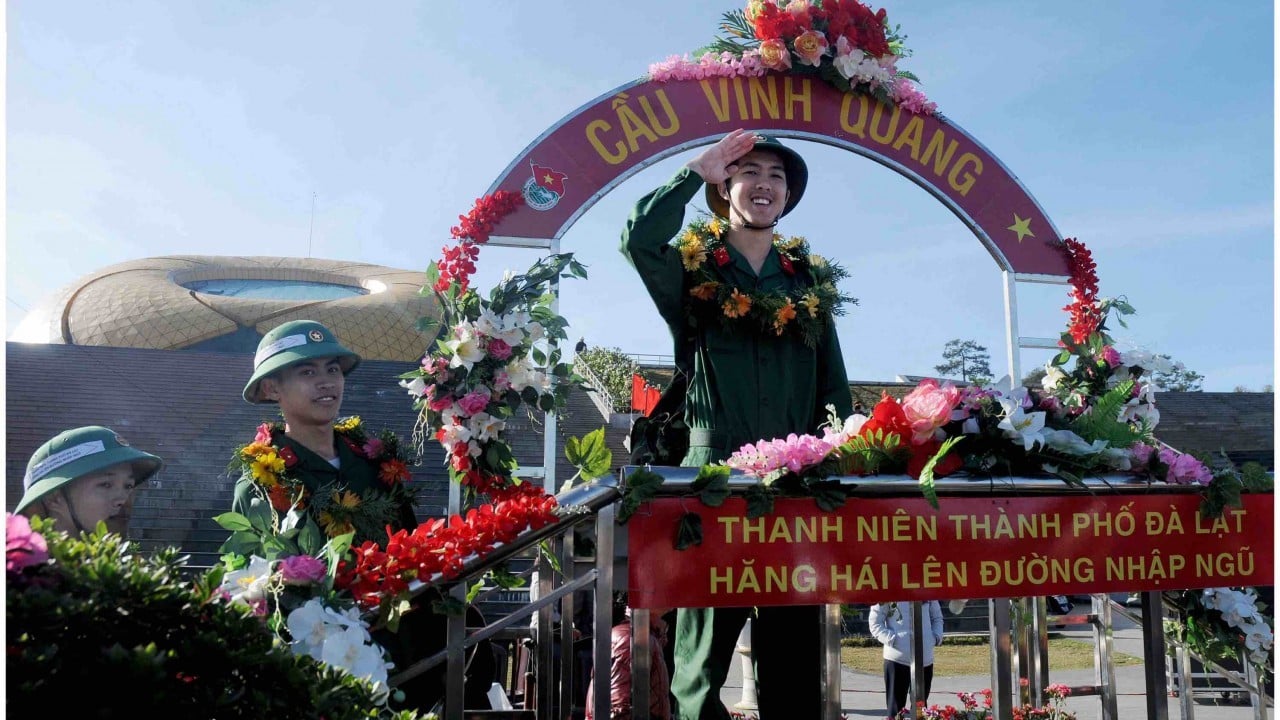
[891, 625]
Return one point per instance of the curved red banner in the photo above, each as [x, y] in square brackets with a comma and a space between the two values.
[573, 164]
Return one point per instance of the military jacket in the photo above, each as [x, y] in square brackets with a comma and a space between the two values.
[744, 385]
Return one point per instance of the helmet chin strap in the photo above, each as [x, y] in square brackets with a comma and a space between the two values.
[71, 510]
[733, 211]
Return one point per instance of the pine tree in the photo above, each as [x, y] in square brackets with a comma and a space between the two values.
[966, 359]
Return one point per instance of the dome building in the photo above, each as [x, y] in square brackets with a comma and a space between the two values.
[209, 303]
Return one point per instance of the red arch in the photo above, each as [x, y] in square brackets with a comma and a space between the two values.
[590, 151]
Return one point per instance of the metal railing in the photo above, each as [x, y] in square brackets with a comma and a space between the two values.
[597, 391]
[593, 503]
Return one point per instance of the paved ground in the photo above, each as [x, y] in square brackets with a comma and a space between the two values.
[863, 694]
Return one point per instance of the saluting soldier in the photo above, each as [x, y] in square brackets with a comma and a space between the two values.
[750, 316]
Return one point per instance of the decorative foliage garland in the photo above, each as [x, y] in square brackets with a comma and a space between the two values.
[843, 42]
[1224, 625]
[458, 263]
[337, 510]
[702, 248]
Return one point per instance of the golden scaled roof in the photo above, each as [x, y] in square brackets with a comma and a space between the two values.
[144, 304]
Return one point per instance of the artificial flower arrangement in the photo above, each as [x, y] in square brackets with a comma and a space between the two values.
[806, 311]
[336, 510]
[843, 42]
[1094, 414]
[88, 609]
[1224, 625]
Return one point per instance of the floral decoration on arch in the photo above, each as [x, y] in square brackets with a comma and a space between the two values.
[1224, 625]
[844, 42]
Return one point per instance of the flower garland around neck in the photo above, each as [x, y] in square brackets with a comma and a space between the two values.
[337, 509]
[804, 309]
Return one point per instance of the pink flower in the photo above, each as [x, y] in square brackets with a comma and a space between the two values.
[928, 408]
[23, 546]
[774, 55]
[302, 570]
[811, 45]
[440, 403]
[263, 437]
[499, 349]
[373, 448]
[796, 453]
[501, 381]
[1184, 469]
[1140, 455]
[474, 401]
[1112, 356]
[909, 98]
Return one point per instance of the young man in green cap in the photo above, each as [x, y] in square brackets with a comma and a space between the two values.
[758, 347]
[82, 477]
[302, 367]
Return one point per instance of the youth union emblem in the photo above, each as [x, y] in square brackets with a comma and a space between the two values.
[543, 190]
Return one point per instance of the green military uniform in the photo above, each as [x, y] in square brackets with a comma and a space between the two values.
[354, 473]
[743, 387]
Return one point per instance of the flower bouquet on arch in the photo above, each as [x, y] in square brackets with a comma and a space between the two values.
[843, 42]
[1224, 625]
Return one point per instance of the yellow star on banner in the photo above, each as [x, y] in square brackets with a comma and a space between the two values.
[548, 178]
[1022, 226]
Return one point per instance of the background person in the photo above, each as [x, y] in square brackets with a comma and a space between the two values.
[84, 476]
[891, 624]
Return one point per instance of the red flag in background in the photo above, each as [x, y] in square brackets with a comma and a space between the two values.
[643, 397]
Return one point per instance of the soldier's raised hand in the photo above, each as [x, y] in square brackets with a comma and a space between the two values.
[718, 162]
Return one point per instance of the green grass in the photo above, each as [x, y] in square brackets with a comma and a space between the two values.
[972, 656]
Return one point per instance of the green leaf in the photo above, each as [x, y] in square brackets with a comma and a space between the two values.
[712, 485]
[926, 475]
[474, 590]
[829, 495]
[242, 543]
[641, 486]
[759, 501]
[590, 455]
[689, 531]
[233, 521]
[311, 541]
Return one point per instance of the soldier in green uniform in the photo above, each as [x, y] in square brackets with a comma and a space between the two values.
[302, 367]
[747, 380]
[84, 476]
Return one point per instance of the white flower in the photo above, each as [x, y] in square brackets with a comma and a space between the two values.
[249, 584]
[415, 387]
[1146, 360]
[543, 382]
[1257, 636]
[473, 448]
[1071, 443]
[486, 427]
[847, 60]
[518, 374]
[536, 332]
[843, 431]
[488, 323]
[353, 651]
[308, 626]
[970, 426]
[1052, 376]
[1019, 425]
[452, 433]
[464, 348]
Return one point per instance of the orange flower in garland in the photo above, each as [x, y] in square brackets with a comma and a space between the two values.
[393, 471]
[705, 291]
[737, 305]
[785, 314]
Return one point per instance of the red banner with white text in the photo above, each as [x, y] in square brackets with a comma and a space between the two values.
[885, 549]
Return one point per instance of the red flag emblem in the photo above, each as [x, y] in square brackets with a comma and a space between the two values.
[549, 179]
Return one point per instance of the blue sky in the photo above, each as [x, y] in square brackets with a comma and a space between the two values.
[1143, 128]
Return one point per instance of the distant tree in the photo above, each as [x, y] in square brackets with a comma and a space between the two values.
[1179, 379]
[1268, 388]
[1239, 388]
[1033, 378]
[966, 359]
[613, 368]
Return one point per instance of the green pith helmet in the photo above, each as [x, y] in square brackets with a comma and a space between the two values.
[290, 344]
[797, 178]
[73, 454]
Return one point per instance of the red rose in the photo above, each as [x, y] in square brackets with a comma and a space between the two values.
[920, 455]
[887, 416]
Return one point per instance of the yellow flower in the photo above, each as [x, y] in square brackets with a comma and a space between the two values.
[692, 252]
[790, 243]
[337, 519]
[346, 500]
[715, 226]
[266, 468]
[817, 261]
[785, 314]
[705, 291]
[811, 302]
[737, 305]
[334, 527]
[348, 424]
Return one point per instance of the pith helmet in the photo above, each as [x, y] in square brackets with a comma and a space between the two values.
[290, 344]
[73, 454]
[797, 178]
